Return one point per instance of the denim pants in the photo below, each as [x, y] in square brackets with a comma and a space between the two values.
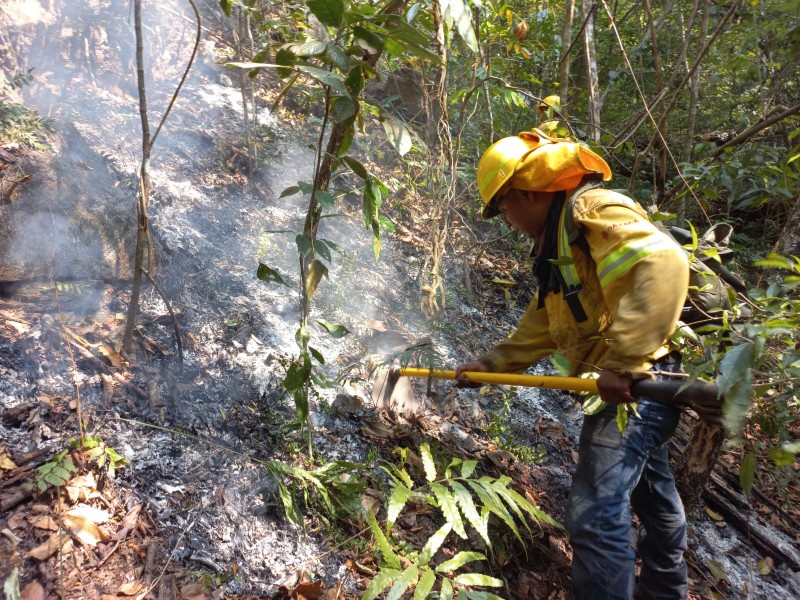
[614, 472]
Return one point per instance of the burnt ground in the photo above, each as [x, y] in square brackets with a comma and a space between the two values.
[197, 511]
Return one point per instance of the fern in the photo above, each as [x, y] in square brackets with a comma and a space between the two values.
[459, 499]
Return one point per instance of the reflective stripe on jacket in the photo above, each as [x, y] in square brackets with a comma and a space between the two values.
[634, 283]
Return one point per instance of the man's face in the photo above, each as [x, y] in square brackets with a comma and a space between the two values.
[526, 211]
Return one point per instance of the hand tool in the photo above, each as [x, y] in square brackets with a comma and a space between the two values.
[700, 396]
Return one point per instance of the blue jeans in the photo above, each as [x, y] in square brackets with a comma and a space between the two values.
[614, 472]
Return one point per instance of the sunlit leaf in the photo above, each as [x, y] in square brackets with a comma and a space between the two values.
[492, 501]
[336, 330]
[622, 417]
[447, 504]
[427, 462]
[397, 133]
[380, 582]
[467, 505]
[468, 468]
[434, 543]
[316, 271]
[401, 584]
[397, 500]
[446, 593]
[388, 553]
[425, 585]
[478, 579]
[458, 561]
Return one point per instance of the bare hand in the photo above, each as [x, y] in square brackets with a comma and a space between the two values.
[614, 388]
[475, 365]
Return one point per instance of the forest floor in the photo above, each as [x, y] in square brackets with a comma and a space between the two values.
[191, 508]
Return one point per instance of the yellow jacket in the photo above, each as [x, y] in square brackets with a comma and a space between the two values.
[634, 280]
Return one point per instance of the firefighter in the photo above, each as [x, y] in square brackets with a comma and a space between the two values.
[610, 290]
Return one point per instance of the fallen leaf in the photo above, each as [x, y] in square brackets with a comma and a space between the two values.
[43, 522]
[82, 487]
[714, 515]
[17, 326]
[85, 530]
[6, 462]
[50, 547]
[193, 591]
[33, 591]
[574, 456]
[130, 588]
[16, 520]
[308, 591]
[717, 570]
[95, 515]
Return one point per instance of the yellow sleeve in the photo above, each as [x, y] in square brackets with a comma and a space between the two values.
[644, 276]
[529, 342]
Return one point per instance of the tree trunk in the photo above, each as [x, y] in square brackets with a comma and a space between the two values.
[698, 460]
[593, 104]
[694, 101]
[442, 180]
[563, 66]
[143, 197]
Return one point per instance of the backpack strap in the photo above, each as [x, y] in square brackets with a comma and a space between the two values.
[569, 234]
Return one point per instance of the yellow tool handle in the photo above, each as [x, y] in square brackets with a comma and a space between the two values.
[575, 384]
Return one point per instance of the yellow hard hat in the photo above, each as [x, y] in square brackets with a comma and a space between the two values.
[534, 161]
[548, 103]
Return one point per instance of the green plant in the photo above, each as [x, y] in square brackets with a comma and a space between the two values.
[758, 361]
[99, 454]
[55, 473]
[335, 487]
[501, 434]
[462, 499]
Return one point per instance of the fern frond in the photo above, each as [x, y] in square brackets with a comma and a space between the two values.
[425, 585]
[464, 500]
[491, 501]
[500, 486]
[536, 513]
[398, 499]
[458, 561]
[380, 582]
[480, 595]
[447, 503]
[389, 556]
[478, 579]
[468, 468]
[434, 543]
[408, 578]
[427, 462]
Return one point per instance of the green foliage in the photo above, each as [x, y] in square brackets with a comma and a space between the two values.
[20, 124]
[55, 473]
[99, 454]
[461, 498]
[335, 487]
[758, 362]
[498, 428]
